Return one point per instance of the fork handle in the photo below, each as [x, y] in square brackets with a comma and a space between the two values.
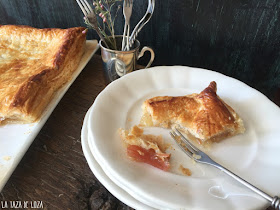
[137, 29]
[124, 36]
[142, 22]
[275, 201]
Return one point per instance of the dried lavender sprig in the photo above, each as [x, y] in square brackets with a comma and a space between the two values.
[104, 9]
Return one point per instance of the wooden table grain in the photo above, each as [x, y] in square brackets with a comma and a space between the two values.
[54, 169]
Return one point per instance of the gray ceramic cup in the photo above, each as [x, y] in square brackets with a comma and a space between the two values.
[118, 63]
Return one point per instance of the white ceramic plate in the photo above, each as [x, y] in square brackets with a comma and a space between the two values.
[253, 155]
[16, 139]
[102, 177]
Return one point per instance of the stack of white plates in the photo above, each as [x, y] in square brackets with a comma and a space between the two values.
[253, 155]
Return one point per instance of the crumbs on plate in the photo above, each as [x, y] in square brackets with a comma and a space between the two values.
[7, 158]
[185, 171]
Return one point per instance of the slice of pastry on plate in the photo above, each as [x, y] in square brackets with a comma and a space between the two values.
[145, 148]
[204, 117]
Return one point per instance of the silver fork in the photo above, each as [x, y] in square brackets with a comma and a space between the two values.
[142, 22]
[199, 156]
[90, 16]
[127, 11]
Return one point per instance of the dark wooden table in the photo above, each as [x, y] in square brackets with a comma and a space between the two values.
[54, 169]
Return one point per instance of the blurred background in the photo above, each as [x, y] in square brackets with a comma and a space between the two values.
[239, 38]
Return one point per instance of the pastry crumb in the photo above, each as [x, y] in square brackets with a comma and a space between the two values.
[185, 171]
[27, 132]
[45, 147]
[196, 156]
[7, 158]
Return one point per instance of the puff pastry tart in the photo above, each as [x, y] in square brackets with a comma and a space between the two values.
[204, 117]
[145, 148]
[34, 64]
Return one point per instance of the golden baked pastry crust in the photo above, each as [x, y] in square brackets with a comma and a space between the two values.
[202, 116]
[34, 64]
[145, 147]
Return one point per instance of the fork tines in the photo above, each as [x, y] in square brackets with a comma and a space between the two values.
[201, 157]
[128, 2]
[127, 11]
[85, 7]
[184, 144]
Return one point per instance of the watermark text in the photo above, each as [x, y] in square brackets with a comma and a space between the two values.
[21, 205]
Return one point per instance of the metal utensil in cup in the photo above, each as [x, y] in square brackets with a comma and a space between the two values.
[143, 21]
[127, 11]
[117, 63]
[90, 17]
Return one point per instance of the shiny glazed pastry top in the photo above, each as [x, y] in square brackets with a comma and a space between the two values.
[34, 64]
[202, 117]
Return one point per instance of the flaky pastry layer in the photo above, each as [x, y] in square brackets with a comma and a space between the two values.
[34, 64]
[204, 116]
